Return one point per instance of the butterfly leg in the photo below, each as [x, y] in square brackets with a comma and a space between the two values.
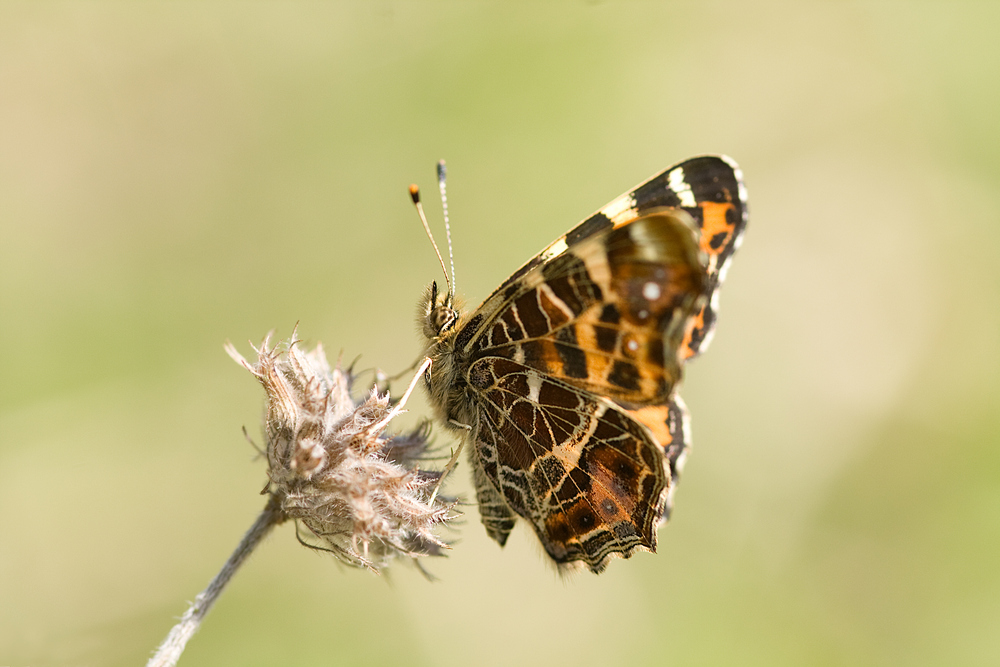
[402, 402]
[454, 457]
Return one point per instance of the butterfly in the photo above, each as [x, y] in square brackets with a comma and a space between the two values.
[563, 382]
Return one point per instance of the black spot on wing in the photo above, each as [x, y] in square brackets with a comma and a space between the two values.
[610, 314]
[624, 375]
[698, 334]
[607, 338]
[733, 216]
[574, 359]
[654, 353]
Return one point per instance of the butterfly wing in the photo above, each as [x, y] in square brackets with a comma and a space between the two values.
[589, 479]
[607, 314]
[710, 189]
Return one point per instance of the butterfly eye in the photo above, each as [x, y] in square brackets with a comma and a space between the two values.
[443, 318]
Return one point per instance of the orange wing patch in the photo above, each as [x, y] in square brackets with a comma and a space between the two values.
[716, 230]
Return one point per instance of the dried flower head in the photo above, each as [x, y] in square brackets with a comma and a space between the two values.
[360, 493]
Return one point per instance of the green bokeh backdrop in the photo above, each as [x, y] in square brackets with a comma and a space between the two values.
[173, 175]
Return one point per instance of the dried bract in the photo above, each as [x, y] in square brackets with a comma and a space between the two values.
[359, 492]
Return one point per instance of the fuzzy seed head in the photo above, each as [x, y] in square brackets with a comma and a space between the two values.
[360, 493]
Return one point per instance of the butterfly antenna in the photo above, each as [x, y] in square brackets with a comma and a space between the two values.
[415, 196]
[442, 176]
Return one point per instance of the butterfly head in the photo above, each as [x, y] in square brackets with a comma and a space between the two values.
[437, 313]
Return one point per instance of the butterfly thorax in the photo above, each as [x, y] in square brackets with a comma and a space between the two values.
[439, 320]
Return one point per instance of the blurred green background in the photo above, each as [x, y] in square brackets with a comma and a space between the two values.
[173, 175]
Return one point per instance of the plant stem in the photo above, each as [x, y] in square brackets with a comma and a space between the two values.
[170, 650]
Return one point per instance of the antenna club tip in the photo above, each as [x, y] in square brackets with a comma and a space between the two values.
[442, 170]
[414, 193]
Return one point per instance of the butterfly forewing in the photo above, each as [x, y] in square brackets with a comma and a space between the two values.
[607, 314]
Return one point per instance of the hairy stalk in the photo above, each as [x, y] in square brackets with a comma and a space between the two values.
[170, 650]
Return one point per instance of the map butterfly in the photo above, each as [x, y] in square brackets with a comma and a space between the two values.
[563, 382]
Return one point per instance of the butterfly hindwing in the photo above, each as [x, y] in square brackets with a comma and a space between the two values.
[671, 430]
[590, 480]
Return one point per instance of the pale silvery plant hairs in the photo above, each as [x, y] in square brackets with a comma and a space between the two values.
[361, 495]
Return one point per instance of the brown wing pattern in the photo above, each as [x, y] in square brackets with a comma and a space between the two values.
[589, 479]
[609, 313]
